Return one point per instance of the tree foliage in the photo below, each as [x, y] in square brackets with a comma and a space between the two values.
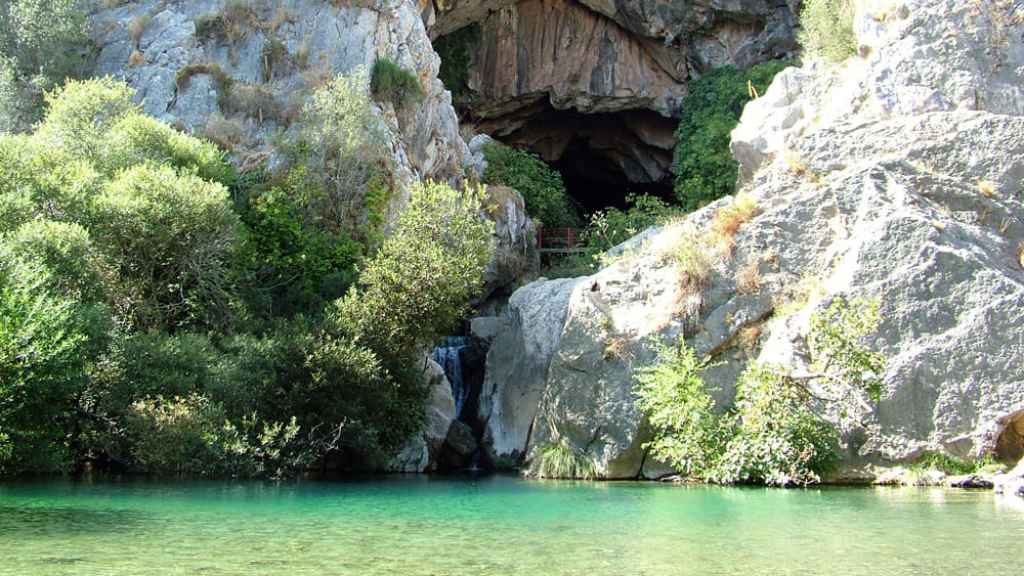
[129, 333]
[826, 29]
[703, 166]
[773, 434]
[542, 187]
[42, 42]
[414, 290]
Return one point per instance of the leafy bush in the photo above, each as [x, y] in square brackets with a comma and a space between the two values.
[835, 344]
[418, 286]
[171, 238]
[340, 147]
[826, 29]
[65, 253]
[392, 83]
[691, 436]
[138, 139]
[47, 342]
[773, 436]
[779, 439]
[81, 113]
[41, 44]
[610, 227]
[174, 436]
[294, 264]
[190, 436]
[607, 229]
[40, 181]
[704, 167]
[557, 460]
[541, 186]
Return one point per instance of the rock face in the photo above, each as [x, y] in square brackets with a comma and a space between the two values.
[517, 365]
[516, 259]
[547, 74]
[895, 177]
[319, 40]
[422, 452]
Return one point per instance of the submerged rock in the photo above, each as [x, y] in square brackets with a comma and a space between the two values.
[971, 481]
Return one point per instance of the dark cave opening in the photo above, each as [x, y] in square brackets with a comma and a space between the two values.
[602, 157]
[596, 184]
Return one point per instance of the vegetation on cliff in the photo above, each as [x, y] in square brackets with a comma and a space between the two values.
[704, 167]
[541, 186]
[41, 44]
[826, 29]
[162, 314]
[770, 434]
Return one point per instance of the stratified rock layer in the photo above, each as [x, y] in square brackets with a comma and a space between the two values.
[545, 74]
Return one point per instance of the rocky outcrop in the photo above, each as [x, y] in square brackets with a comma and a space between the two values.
[1012, 482]
[516, 260]
[604, 77]
[895, 177]
[517, 365]
[278, 54]
[423, 452]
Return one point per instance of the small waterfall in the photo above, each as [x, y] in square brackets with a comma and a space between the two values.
[447, 355]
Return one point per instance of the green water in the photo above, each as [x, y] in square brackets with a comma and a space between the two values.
[500, 526]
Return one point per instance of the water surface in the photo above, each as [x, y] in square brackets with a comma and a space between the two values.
[500, 526]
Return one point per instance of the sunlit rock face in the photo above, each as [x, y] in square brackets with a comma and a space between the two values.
[895, 176]
[312, 41]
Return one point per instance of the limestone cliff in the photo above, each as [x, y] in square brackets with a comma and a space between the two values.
[546, 73]
[896, 176]
[279, 52]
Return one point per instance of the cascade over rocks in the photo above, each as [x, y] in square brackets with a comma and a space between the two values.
[895, 176]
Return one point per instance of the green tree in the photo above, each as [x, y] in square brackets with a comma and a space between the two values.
[420, 283]
[294, 263]
[826, 29]
[50, 335]
[42, 42]
[704, 167]
[340, 147]
[542, 187]
[171, 238]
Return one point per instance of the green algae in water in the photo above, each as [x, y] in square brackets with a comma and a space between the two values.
[500, 526]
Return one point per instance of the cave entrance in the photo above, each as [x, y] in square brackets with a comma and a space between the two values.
[602, 157]
[1010, 442]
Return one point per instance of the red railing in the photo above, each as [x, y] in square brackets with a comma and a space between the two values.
[557, 238]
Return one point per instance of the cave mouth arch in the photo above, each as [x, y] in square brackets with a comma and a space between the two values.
[602, 157]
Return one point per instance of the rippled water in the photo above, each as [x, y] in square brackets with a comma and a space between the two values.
[501, 526]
